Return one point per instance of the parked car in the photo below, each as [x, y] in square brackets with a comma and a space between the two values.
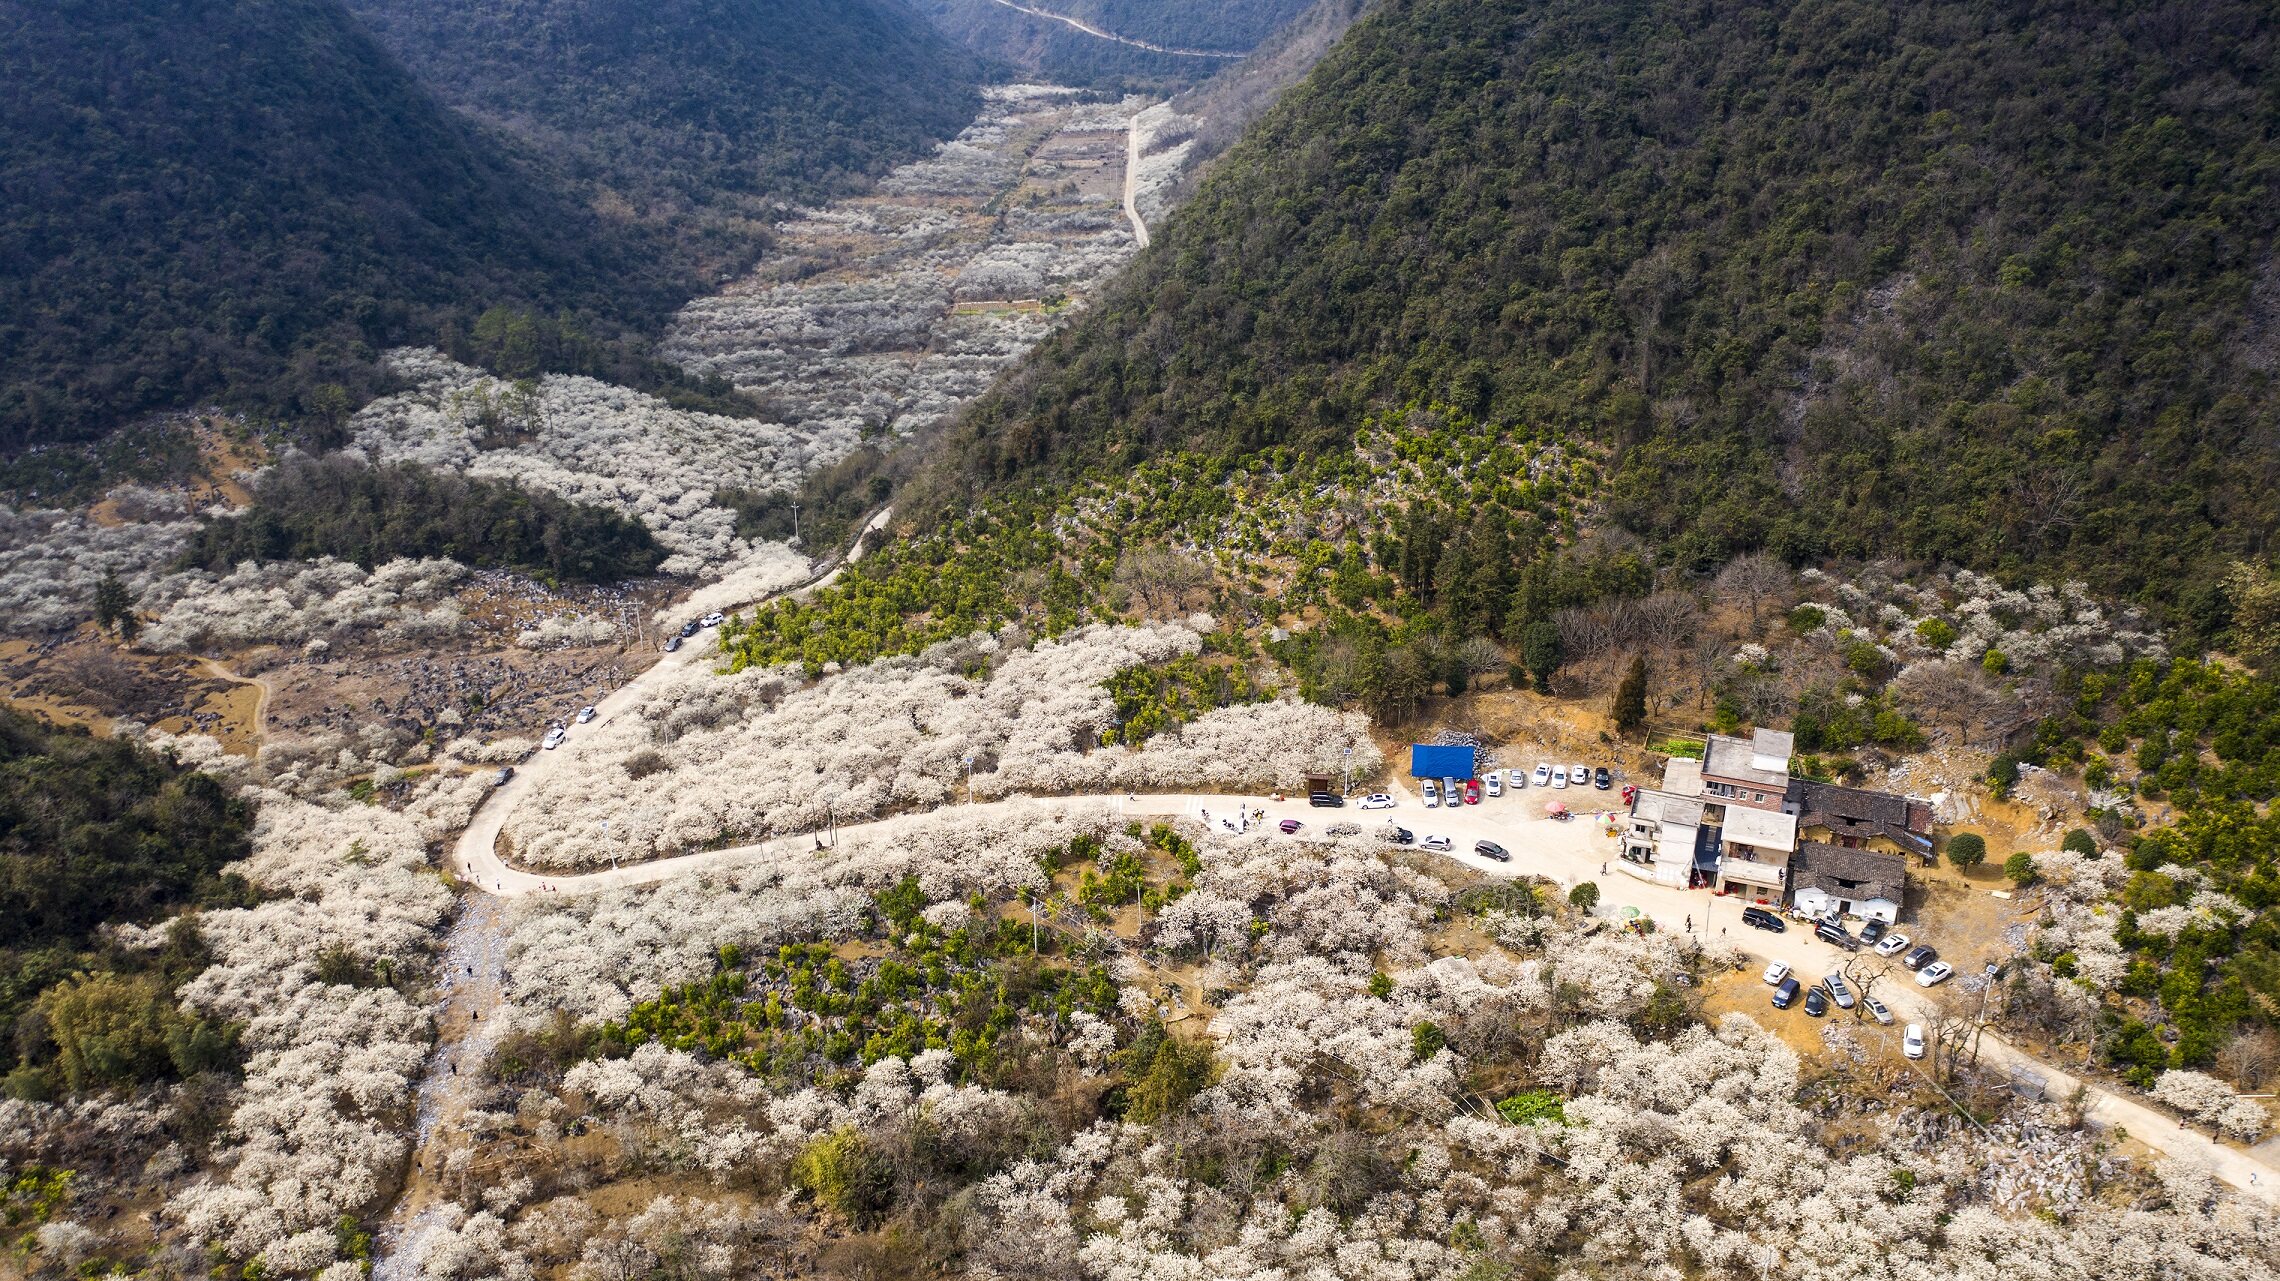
[1786, 995]
[1432, 792]
[1912, 1041]
[585, 715]
[1452, 792]
[1921, 957]
[1775, 973]
[1493, 782]
[1403, 836]
[1559, 776]
[555, 737]
[1892, 944]
[1492, 850]
[1325, 800]
[714, 619]
[1472, 791]
[1877, 1010]
[505, 772]
[1543, 775]
[1377, 801]
[1835, 935]
[1580, 775]
[1290, 825]
[1872, 930]
[1816, 1004]
[1759, 918]
[1602, 779]
[1840, 991]
[688, 630]
[672, 643]
[1934, 974]
[1439, 844]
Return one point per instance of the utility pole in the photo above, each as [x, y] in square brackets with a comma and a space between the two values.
[1979, 1025]
[795, 523]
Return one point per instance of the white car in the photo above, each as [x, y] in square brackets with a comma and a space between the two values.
[1377, 801]
[1559, 776]
[1543, 775]
[1878, 1010]
[1839, 991]
[1934, 974]
[1432, 792]
[1580, 775]
[1892, 945]
[1494, 782]
[714, 619]
[554, 738]
[585, 715]
[1441, 844]
[1912, 1041]
[1775, 973]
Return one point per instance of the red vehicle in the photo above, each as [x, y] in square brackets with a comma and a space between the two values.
[1472, 791]
[1290, 825]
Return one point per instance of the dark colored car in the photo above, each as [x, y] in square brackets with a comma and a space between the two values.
[1325, 800]
[1816, 1002]
[1490, 849]
[1289, 825]
[688, 630]
[1835, 935]
[1403, 836]
[1872, 930]
[1759, 918]
[1921, 957]
[505, 772]
[1786, 995]
[1601, 779]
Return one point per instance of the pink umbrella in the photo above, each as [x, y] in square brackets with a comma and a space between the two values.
[1556, 808]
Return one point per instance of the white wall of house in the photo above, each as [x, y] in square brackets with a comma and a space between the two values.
[1815, 901]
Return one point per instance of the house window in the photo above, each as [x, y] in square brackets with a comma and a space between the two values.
[1758, 796]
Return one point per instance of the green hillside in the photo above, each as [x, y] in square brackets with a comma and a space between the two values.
[242, 199]
[1990, 284]
[671, 105]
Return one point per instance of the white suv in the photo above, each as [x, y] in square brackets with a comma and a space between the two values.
[1432, 793]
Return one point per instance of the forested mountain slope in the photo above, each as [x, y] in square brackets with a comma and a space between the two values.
[224, 198]
[670, 105]
[1985, 283]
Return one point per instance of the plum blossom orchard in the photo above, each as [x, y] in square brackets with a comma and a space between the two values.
[1640, 1147]
[318, 979]
[595, 443]
[884, 314]
[709, 759]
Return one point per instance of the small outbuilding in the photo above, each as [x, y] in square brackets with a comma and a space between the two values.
[1428, 760]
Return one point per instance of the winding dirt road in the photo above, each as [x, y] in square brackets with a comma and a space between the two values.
[1131, 181]
[1091, 30]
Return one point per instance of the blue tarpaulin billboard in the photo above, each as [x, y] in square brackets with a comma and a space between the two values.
[1426, 761]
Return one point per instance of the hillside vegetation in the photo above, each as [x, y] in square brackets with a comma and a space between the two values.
[1959, 281]
[220, 199]
[94, 831]
[305, 508]
[662, 108]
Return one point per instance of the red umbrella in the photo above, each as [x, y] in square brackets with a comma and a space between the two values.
[1556, 807]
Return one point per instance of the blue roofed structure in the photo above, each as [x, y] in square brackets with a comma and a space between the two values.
[1428, 761]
